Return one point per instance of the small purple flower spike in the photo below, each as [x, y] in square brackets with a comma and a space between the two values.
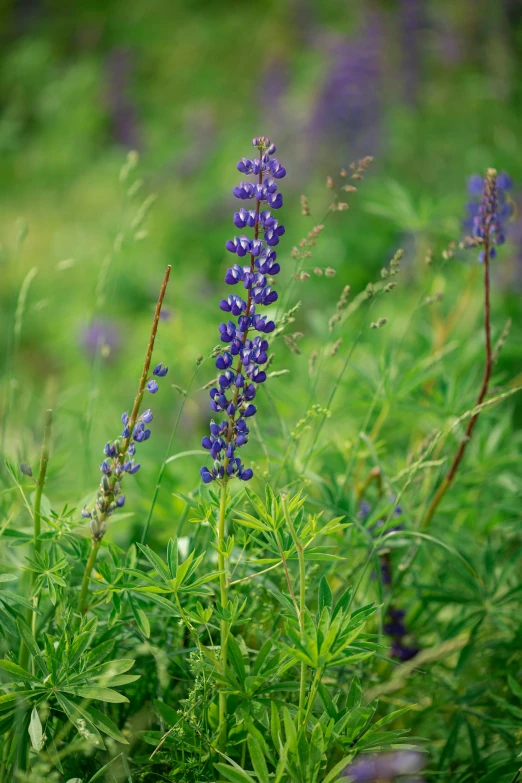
[488, 216]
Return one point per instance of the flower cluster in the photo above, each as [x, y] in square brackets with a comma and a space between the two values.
[395, 627]
[487, 217]
[119, 459]
[241, 360]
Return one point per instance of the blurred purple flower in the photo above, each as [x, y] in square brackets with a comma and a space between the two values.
[386, 767]
[123, 111]
[166, 314]
[100, 336]
[348, 110]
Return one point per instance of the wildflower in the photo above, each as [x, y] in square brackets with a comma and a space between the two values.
[350, 100]
[100, 336]
[118, 454]
[240, 363]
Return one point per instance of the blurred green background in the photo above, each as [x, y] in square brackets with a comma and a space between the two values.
[431, 89]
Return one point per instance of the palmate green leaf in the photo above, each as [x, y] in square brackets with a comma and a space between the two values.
[18, 671]
[98, 693]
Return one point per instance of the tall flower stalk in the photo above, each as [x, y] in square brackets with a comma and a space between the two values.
[241, 361]
[119, 455]
[488, 231]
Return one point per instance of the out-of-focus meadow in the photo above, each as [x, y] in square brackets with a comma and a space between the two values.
[431, 90]
[120, 127]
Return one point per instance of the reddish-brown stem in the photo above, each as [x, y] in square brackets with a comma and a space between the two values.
[146, 365]
[450, 475]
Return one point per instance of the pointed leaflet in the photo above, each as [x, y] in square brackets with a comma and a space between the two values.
[100, 694]
[35, 731]
[18, 671]
[234, 775]
[258, 759]
[325, 595]
[142, 621]
[103, 723]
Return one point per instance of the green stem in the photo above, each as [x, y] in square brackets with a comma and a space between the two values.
[302, 595]
[224, 601]
[31, 614]
[311, 697]
[87, 575]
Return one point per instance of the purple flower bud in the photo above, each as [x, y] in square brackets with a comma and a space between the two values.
[147, 416]
[120, 501]
[206, 475]
[26, 469]
[160, 370]
[106, 467]
[152, 387]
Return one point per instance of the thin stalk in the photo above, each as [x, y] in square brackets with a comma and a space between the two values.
[130, 424]
[488, 367]
[311, 697]
[31, 614]
[302, 595]
[87, 575]
[223, 590]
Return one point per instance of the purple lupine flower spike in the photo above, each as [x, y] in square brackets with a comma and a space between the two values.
[240, 364]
